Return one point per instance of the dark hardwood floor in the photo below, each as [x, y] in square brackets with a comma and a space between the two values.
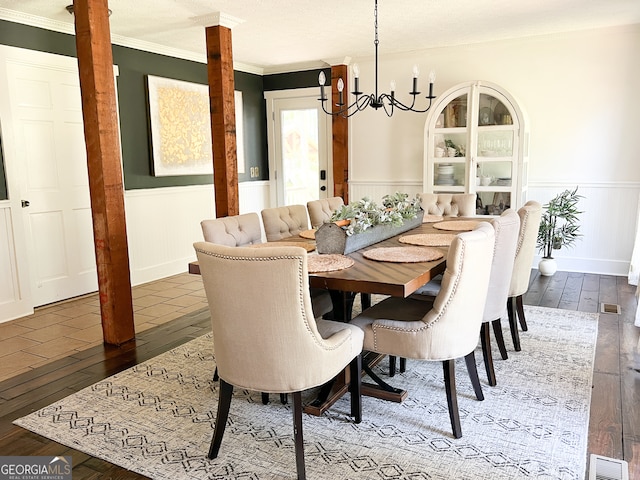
[614, 429]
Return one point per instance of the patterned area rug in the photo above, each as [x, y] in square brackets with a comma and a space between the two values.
[157, 418]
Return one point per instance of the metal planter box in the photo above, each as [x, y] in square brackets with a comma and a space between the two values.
[331, 238]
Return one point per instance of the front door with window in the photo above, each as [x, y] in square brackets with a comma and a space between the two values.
[299, 156]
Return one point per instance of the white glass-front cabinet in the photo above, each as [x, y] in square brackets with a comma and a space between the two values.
[476, 141]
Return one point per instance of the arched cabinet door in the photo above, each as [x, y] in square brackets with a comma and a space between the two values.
[476, 141]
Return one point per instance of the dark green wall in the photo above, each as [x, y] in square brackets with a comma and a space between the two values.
[133, 65]
[305, 79]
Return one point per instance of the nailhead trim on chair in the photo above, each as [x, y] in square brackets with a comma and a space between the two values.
[300, 278]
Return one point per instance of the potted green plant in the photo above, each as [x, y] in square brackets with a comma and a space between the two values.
[558, 228]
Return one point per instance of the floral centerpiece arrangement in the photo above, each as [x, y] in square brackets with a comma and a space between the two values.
[365, 213]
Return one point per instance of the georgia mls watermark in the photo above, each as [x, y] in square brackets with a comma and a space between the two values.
[35, 468]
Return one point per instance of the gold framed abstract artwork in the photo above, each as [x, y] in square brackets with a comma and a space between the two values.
[181, 127]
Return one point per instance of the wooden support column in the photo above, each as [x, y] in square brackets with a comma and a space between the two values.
[97, 86]
[340, 137]
[223, 120]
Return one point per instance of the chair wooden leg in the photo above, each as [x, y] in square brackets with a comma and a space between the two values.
[224, 402]
[355, 387]
[513, 325]
[497, 331]
[365, 301]
[392, 365]
[283, 398]
[215, 375]
[449, 369]
[485, 338]
[265, 398]
[520, 309]
[470, 360]
[297, 435]
[403, 364]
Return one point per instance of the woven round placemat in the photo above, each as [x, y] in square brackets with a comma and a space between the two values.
[403, 254]
[310, 234]
[429, 239]
[432, 218]
[457, 225]
[309, 247]
[328, 263]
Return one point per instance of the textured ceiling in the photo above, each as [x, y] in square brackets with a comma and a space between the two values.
[281, 35]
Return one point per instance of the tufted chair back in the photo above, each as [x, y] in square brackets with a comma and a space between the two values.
[234, 231]
[449, 204]
[507, 228]
[320, 211]
[283, 222]
[530, 214]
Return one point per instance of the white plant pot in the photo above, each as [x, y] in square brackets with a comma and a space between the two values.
[547, 266]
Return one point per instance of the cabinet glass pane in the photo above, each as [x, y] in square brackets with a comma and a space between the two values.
[495, 143]
[448, 174]
[494, 174]
[454, 114]
[450, 145]
[492, 111]
[492, 203]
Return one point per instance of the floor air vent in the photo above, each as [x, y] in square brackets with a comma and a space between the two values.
[603, 468]
[609, 308]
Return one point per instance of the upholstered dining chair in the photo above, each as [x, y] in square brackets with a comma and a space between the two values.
[284, 222]
[506, 228]
[245, 229]
[446, 329]
[233, 231]
[449, 204]
[272, 343]
[320, 211]
[530, 214]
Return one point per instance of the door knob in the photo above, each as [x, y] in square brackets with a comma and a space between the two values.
[25, 203]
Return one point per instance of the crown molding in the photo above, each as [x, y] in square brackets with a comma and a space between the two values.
[217, 18]
[69, 28]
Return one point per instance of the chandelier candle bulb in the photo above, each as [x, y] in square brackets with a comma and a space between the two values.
[416, 73]
[340, 89]
[356, 79]
[432, 79]
[322, 80]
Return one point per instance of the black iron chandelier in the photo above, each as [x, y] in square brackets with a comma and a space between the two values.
[387, 101]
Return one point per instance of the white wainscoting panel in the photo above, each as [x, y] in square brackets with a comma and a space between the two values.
[375, 190]
[163, 224]
[253, 196]
[608, 224]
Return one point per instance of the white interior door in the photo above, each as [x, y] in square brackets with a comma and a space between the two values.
[47, 121]
[300, 155]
